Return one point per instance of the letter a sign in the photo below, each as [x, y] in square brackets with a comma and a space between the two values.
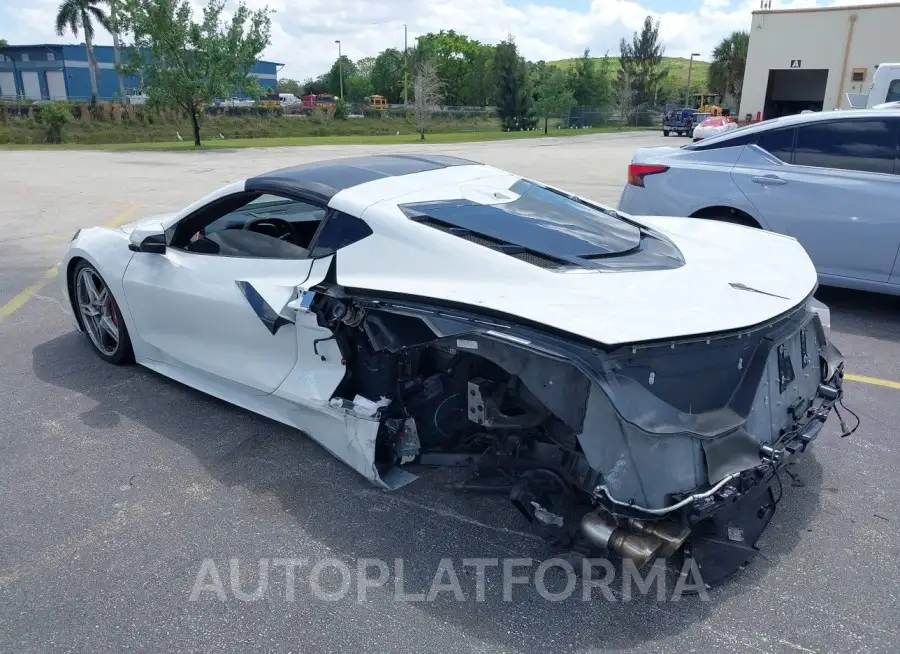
[795, 63]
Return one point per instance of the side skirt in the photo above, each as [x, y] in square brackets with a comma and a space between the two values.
[346, 435]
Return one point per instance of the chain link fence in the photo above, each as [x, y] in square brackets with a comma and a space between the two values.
[610, 116]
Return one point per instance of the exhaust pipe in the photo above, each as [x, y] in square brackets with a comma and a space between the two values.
[669, 533]
[648, 540]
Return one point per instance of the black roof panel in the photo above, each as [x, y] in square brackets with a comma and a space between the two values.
[324, 179]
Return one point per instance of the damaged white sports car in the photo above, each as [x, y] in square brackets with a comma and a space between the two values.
[634, 384]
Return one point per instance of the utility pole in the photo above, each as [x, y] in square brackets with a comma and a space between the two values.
[340, 67]
[687, 90]
[405, 67]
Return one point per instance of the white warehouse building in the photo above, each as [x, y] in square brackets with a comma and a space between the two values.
[811, 58]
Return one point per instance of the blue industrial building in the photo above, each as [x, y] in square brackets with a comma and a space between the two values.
[60, 72]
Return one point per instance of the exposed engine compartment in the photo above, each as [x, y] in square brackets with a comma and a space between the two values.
[641, 451]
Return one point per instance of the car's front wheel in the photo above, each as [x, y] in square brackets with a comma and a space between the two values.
[99, 315]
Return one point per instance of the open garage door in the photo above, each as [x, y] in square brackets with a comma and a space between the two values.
[791, 91]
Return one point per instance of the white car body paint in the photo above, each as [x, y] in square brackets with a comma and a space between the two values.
[608, 307]
[188, 320]
[713, 126]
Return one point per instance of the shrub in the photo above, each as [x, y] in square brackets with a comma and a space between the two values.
[341, 109]
[55, 116]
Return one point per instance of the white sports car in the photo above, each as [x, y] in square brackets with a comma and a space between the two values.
[634, 384]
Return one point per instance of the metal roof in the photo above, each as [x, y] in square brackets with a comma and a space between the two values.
[28, 46]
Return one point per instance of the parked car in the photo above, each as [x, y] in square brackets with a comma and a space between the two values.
[696, 119]
[418, 311]
[713, 126]
[831, 180]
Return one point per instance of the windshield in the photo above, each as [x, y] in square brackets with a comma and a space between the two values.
[538, 218]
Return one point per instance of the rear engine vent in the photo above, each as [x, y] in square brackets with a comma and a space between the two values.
[539, 260]
[520, 253]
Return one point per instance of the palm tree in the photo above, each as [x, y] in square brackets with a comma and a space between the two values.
[115, 29]
[726, 72]
[79, 15]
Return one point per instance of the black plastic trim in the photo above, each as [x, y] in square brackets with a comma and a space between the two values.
[322, 180]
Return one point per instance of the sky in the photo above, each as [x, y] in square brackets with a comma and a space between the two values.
[304, 31]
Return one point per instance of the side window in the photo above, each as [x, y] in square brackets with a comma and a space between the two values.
[893, 92]
[730, 142]
[865, 145]
[778, 142]
[303, 217]
[252, 225]
[340, 230]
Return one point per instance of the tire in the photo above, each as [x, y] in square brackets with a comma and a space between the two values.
[99, 316]
[665, 132]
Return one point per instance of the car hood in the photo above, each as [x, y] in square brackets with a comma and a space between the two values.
[733, 277]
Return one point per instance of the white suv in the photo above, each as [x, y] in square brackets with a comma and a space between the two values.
[831, 180]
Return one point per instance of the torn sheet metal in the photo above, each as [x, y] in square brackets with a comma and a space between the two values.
[269, 301]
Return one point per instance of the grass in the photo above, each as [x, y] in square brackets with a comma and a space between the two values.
[148, 127]
[677, 67]
[357, 139]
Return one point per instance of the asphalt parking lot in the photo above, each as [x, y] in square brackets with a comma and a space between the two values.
[116, 484]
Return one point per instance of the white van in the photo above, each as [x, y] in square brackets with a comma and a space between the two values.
[885, 88]
[289, 98]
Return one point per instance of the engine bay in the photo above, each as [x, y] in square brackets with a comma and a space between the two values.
[600, 451]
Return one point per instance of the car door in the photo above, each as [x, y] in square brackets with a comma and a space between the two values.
[213, 300]
[831, 185]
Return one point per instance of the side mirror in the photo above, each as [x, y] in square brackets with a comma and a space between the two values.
[153, 242]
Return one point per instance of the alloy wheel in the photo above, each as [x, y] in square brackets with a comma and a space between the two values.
[98, 311]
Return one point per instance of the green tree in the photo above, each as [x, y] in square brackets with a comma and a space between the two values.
[387, 75]
[288, 85]
[79, 15]
[315, 86]
[357, 88]
[513, 92]
[552, 94]
[341, 109]
[342, 66]
[726, 72]
[365, 65]
[641, 63]
[454, 56]
[115, 29]
[191, 63]
[590, 85]
[479, 80]
[3, 43]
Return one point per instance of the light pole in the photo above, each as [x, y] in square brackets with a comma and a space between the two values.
[687, 90]
[340, 67]
[405, 67]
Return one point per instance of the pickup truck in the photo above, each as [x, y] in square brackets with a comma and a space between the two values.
[680, 121]
[885, 89]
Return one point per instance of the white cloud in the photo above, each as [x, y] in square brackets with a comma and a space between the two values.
[304, 31]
